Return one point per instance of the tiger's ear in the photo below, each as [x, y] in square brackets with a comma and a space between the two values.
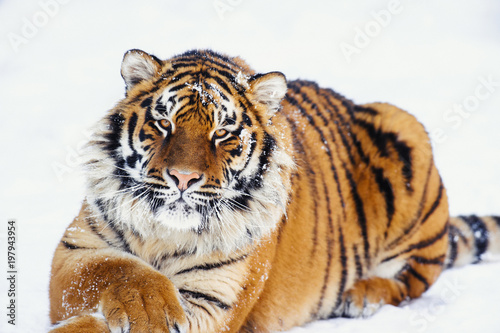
[268, 89]
[138, 66]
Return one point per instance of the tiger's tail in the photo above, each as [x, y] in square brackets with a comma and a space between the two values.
[472, 239]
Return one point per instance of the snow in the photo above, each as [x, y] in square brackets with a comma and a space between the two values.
[60, 72]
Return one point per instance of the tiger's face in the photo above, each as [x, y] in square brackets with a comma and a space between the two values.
[192, 151]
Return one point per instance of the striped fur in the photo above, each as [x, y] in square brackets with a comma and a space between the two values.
[221, 200]
[471, 238]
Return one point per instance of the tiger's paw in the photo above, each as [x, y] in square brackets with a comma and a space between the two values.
[367, 296]
[146, 303]
[89, 323]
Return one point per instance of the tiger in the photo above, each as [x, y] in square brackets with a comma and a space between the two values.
[220, 199]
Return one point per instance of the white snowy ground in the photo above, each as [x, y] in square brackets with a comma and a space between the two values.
[59, 72]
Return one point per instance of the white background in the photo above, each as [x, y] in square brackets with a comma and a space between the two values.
[60, 72]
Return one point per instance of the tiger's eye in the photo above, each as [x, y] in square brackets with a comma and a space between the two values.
[165, 124]
[220, 133]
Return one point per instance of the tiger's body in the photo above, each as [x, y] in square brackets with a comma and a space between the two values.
[224, 200]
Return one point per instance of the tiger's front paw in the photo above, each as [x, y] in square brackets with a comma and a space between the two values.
[367, 296]
[143, 303]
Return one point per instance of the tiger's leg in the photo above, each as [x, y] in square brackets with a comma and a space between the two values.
[368, 295]
[421, 263]
[97, 287]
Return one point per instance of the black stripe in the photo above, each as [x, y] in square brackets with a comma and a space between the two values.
[401, 276]
[173, 100]
[121, 237]
[370, 111]
[418, 276]
[143, 136]
[480, 232]
[102, 208]
[253, 145]
[414, 223]
[247, 121]
[93, 227]
[147, 102]
[404, 154]
[457, 232]
[453, 245]
[385, 187]
[245, 105]
[428, 261]
[158, 261]
[222, 85]
[206, 56]
[185, 111]
[343, 264]
[224, 62]
[207, 267]
[208, 298]
[132, 123]
[420, 245]
[201, 307]
[217, 91]
[357, 261]
[237, 132]
[177, 76]
[379, 138]
[344, 127]
[435, 204]
[182, 63]
[176, 328]
[269, 144]
[307, 100]
[184, 253]
[347, 145]
[72, 246]
[160, 107]
[154, 128]
[122, 174]
[177, 87]
[242, 183]
[358, 202]
[382, 139]
[239, 203]
[149, 194]
[497, 220]
[115, 123]
[132, 159]
[143, 93]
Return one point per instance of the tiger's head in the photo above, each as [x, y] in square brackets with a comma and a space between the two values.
[194, 153]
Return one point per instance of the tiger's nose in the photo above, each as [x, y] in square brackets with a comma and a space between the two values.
[183, 181]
